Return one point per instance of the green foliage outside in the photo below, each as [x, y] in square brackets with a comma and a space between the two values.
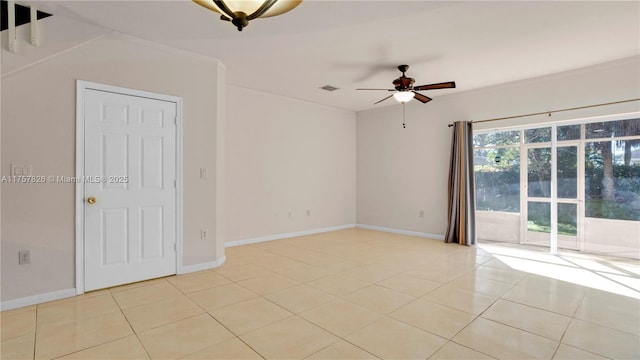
[626, 205]
[497, 176]
[612, 184]
[563, 229]
[612, 173]
[500, 191]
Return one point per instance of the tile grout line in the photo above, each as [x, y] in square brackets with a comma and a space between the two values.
[237, 336]
[209, 314]
[107, 342]
[35, 333]
[131, 327]
[464, 346]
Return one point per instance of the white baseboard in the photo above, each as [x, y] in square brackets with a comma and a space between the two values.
[286, 235]
[62, 294]
[399, 231]
[185, 269]
[37, 299]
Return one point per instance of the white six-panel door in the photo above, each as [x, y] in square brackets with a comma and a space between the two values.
[129, 188]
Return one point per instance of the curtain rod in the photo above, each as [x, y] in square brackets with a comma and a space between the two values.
[552, 111]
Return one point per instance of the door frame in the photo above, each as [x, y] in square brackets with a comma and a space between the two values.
[524, 189]
[81, 87]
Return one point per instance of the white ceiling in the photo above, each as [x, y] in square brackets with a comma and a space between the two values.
[353, 44]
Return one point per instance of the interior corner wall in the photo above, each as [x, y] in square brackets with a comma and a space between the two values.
[38, 130]
[401, 172]
[290, 165]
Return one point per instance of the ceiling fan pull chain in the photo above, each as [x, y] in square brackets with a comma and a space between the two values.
[404, 126]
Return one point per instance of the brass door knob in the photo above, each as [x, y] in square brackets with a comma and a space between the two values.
[91, 200]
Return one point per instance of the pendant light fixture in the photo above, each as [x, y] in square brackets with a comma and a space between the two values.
[239, 12]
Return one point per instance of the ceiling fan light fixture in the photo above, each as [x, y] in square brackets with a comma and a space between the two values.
[240, 12]
[403, 96]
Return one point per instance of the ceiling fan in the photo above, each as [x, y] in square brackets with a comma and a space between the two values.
[404, 90]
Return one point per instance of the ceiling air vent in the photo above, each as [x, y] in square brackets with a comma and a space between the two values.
[329, 88]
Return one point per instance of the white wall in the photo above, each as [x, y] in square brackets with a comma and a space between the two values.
[284, 157]
[401, 172]
[38, 129]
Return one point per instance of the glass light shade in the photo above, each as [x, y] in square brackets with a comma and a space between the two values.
[404, 96]
[250, 6]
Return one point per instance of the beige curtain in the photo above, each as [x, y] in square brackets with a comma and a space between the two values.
[462, 200]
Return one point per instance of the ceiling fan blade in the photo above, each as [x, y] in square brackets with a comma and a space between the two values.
[383, 99]
[421, 98]
[444, 85]
[378, 89]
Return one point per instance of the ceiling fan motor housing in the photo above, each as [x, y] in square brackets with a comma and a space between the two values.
[403, 83]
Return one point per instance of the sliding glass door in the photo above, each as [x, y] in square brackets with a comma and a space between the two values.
[544, 195]
[537, 198]
[569, 199]
[572, 185]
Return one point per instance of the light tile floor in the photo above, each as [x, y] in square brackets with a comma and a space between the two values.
[351, 294]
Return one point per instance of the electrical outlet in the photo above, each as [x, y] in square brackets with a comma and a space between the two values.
[24, 257]
[204, 234]
[421, 213]
[308, 212]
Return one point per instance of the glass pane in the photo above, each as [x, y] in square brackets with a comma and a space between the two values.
[567, 219]
[538, 223]
[608, 129]
[497, 138]
[569, 132]
[537, 135]
[539, 217]
[539, 176]
[612, 180]
[497, 177]
[568, 172]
